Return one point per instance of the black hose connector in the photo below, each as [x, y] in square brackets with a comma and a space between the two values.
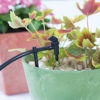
[54, 45]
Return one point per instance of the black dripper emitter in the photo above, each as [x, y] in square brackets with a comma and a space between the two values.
[54, 45]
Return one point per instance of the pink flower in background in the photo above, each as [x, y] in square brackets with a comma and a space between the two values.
[10, 2]
[3, 7]
[4, 4]
[37, 3]
[27, 3]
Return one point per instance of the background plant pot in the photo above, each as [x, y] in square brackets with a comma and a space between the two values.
[12, 78]
[62, 85]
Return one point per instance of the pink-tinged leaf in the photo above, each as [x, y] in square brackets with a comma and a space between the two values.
[39, 18]
[89, 7]
[47, 43]
[23, 21]
[51, 14]
[26, 21]
[77, 58]
[44, 14]
[64, 31]
[78, 18]
[55, 21]
[85, 39]
[33, 37]
[46, 8]
[68, 23]
[32, 15]
[45, 37]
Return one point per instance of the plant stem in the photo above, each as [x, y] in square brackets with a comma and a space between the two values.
[59, 62]
[28, 30]
[82, 65]
[76, 67]
[90, 59]
[80, 51]
[87, 22]
[86, 65]
[53, 67]
[32, 33]
[44, 25]
[34, 28]
[82, 61]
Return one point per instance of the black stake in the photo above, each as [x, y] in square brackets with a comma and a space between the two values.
[35, 56]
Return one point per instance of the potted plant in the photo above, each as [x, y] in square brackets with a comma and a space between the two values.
[22, 9]
[76, 75]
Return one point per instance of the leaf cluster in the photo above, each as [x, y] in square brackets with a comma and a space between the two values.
[22, 12]
[82, 42]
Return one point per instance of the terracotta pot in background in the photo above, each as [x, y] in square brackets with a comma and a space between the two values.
[12, 78]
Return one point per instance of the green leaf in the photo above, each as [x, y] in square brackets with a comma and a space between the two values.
[3, 28]
[1, 22]
[78, 18]
[85, 39]
[51, 61]
[50, 31]
[22, 12]
[73, 35]
[74, 50]
[37, 25]
[76, 53]
[97, 33]
[31, 8]
[29, 58]
[62, 53]
[42, 54]
[5, 17]
[97, 66]
[19, 49]
[46, 20]
[68, 23]
[86, 43]
[96, 58]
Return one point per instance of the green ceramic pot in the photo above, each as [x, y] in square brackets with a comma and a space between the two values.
[47, 84]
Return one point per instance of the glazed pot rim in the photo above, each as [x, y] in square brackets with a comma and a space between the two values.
[31, 67]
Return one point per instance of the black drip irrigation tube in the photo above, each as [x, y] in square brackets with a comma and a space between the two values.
[54, 45]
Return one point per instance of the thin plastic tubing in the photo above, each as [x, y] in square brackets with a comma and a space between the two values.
[22, 55]
[15, 58]
[54, 45]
